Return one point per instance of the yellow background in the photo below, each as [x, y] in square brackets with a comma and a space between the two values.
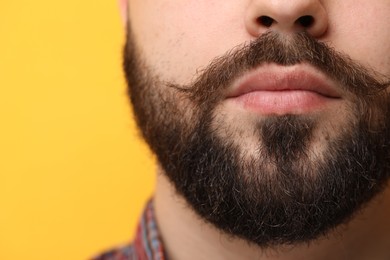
[74, 174]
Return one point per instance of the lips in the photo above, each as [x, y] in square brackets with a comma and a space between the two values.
[275, 89]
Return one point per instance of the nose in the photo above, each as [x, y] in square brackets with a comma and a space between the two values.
[286, 16]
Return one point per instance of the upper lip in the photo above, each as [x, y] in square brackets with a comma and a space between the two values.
[272, 77]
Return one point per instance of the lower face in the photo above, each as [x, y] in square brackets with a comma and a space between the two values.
[270, 174]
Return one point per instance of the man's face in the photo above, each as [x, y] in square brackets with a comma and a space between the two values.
[269, 117]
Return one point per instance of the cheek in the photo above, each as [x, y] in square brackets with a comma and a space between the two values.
[362, 32]
[179, 37]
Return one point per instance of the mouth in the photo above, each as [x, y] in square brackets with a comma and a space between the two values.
[275, 89]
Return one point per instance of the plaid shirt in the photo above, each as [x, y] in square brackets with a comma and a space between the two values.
[147, 244]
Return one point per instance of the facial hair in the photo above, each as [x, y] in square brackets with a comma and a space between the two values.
[280, 195]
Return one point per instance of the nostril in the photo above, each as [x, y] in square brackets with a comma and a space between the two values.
[305, 21]
[265, 20]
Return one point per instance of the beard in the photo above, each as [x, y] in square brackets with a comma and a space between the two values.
[266, 181]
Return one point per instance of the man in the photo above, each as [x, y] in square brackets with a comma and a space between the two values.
[270, 123]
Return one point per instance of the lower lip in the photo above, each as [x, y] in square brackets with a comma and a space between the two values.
[282, 102]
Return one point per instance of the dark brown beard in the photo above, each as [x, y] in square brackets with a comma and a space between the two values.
[281, 196]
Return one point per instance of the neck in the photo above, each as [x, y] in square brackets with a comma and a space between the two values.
[186, 236]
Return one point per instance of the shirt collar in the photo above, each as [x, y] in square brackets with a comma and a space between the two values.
[147, 243]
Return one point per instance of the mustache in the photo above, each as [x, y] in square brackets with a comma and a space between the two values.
[273, 47]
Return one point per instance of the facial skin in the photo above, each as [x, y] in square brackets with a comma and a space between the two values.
[290, 165]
